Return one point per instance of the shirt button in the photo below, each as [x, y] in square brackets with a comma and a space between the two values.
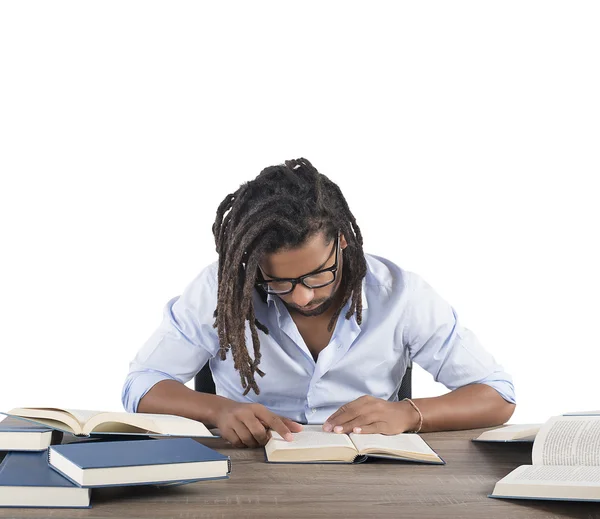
[314, 410]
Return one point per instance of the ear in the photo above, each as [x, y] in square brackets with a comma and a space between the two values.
[343, 242]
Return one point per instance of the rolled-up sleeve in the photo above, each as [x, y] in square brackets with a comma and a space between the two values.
[182, 344]
[439, 343]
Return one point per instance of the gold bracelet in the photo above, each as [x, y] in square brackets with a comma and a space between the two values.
[418, 429]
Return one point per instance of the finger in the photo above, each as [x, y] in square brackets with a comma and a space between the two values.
[231, 436]
[350, 406]
[358, 422]
[257, 429]
[274, 422]
[245, 435]
[343, 409]
[373, 428]
[292, 426]
[346, 413]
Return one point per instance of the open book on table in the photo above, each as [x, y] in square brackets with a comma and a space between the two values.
[565, 463]
[313, 445]
[85, 423]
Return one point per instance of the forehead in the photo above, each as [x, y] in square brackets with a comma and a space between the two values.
[292, 263]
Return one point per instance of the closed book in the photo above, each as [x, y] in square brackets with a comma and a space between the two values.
[26, 480]
[140, 462]
[22, 435]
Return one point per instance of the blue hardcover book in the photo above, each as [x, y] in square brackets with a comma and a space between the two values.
[582, 413]
[140, 462]
[26, 480]
[22, 435]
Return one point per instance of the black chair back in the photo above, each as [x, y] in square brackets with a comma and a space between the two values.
[204, 382]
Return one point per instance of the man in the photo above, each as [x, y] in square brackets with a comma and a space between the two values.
[328, 329]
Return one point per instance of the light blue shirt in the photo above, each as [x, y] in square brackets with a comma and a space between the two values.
[403, 319]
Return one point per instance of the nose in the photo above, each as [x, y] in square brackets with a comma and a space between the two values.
[302, 295]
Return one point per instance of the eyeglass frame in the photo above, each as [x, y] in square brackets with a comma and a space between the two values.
[294, 281]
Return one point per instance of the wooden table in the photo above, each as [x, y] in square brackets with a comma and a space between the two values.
[379, 488]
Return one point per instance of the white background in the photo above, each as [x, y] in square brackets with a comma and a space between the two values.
[464, 135]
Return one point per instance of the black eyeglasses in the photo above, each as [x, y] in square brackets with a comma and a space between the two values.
[318, 279]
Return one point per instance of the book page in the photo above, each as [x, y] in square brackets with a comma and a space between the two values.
[550, 482]
[568, 440]
[49, 416]
[146, 422]
[408, 443]
[312, 436]
[557, 473]
[511, 433]
[82, 416]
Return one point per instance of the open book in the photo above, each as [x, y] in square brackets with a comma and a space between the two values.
[510, 433]
[312, 444]
[85, 423]
[565, 463]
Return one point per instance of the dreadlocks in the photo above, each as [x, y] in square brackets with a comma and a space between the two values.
[279, 209]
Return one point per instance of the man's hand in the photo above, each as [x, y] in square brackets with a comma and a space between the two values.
[247, 425]
[368, 415]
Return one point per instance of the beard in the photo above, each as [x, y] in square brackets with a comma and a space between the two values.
[323, 305]
[319, 310]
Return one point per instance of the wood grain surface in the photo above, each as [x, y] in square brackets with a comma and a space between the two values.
[378, 488]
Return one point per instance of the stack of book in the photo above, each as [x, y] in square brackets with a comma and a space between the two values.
[114, 449]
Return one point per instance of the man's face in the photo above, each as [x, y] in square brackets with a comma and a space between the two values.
[315, 254]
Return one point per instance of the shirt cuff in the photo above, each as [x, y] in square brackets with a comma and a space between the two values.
[137, 384]
[504, 387]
